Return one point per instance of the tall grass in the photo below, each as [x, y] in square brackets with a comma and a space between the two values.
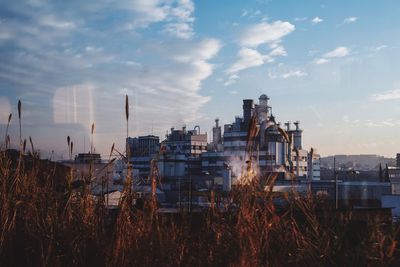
[45, 222]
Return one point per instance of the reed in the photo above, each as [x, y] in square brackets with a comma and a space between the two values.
[45, 222]
[19, 121]
[6, 136]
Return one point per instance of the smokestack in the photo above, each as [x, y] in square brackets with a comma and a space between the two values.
[263, 100]
[287, 124]
[217, 133]
[297, 136]
[297, 125]
[248, 109]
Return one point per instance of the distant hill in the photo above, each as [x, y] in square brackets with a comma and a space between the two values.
[357, 162]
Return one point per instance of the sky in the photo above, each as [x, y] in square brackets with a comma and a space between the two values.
[332, 65]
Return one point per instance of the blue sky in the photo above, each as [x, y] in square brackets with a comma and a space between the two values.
[333, 65]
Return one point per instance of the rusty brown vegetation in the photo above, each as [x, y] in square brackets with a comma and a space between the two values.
[45, 224]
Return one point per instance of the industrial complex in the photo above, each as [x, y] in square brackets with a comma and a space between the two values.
[254, 141]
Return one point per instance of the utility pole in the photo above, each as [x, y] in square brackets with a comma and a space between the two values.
[190, 193]
[336, 184]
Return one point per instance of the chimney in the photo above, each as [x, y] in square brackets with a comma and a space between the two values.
[297, 125]
[248, 109]
[287, 124]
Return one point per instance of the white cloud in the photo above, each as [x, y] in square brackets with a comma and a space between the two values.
[340, 51]
[177, 15]
[133, 63]
[350, 19]
[147, 12]
[205, 50]
[379, 48]
[287, 75]
[181, 30]
[231, 79]
[244, 13]
[384, 123]
[316, 20]
[248, 58]
[93, 49]
[265, 33]
[53, 22]
[278, 51]
[183, 16]
[320, 61]
[388, 122]
[388, 95]
[295, 73]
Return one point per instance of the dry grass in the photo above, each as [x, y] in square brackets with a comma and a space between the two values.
[44, 222]
[44, 226]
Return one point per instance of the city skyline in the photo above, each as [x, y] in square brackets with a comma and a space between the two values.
[332, 65]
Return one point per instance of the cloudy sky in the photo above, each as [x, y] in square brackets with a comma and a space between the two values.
[333, 65]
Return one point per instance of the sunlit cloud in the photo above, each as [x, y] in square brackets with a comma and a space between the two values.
[388, 95]
[248, 58]
[316, 20]
[265, 33]
[338, 52]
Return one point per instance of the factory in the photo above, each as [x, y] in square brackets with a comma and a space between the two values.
[255, 139]
[258, 138]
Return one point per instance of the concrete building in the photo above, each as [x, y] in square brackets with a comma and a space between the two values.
[181, 151]
[191, 142]
[314, 166]
[142, 150]
[143, 146]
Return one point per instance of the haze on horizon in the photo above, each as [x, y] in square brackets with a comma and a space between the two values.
[333, 65]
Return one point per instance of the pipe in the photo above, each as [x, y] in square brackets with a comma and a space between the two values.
[197, 126]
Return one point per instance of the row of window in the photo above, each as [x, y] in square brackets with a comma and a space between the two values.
[187, 147]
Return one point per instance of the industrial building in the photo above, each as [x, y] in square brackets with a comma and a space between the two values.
[181, 151]
[255, 139]
[177, 156]
[141, 150]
